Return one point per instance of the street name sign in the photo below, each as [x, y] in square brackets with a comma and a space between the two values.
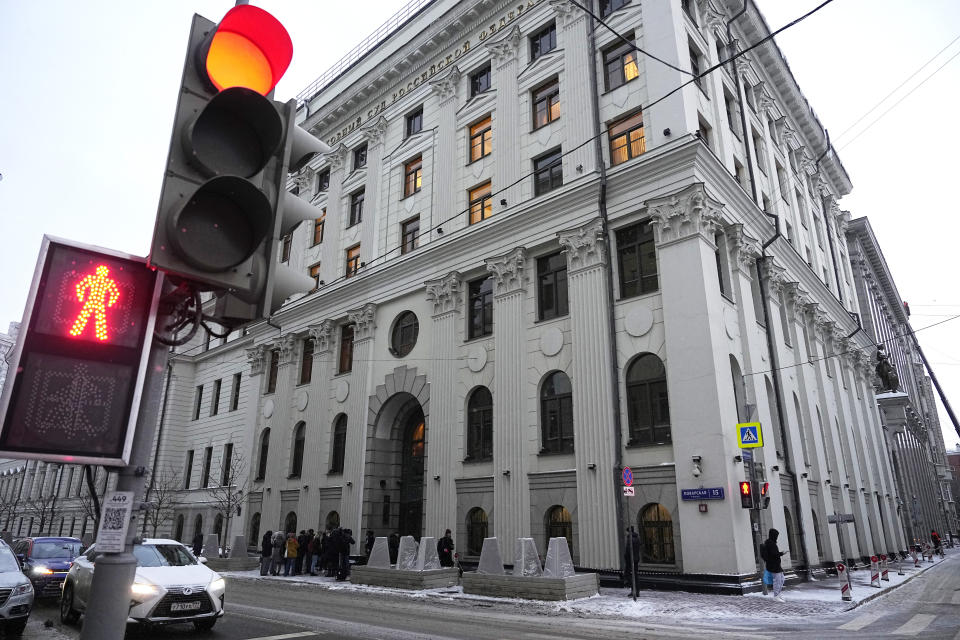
[749, 435]
[708, 493]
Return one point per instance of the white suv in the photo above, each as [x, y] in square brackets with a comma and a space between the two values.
[16, 593]
[171, 586]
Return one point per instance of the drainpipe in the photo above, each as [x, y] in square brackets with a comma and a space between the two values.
[747, 139]
[826, 226]
[611, 319]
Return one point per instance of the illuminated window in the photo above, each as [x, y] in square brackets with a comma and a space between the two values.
[609, 6]
[306, 361]
[315, 274]
[552, 286]
[412, 176]
[480, 308]
[481, 139]
[318, 226]
[356, 208]
[480, 81]
[648, 408]
[546, 104]
[637, 260]
[415, 122]
[346, 349]
[620, 63]
[481, 202]
[410, 235]
[360, 157]
[543, 41]
[323, 180]
[626, 138]
[215, 398]
[547, 172]
[656, 533]
[272, 370]
[556, 414]
[353, 261]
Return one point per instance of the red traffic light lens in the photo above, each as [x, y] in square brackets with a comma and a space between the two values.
[249, 49]
[764, 488]
[745, 488]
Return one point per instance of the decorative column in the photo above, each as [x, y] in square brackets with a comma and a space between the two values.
[592, 378]
[511, 495]
[577, 95]
[317, 456]
[446, 295]
[445, 194]
[506, 119]
[253, 391]
[375, 213]
[698, 366]
[364, 327]
[331, 249]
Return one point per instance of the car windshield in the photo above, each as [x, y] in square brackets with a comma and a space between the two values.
[7, 560]
[55, 549]
[162, 555]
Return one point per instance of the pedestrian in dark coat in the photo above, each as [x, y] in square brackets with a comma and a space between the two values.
[198, 544]
[445, 549]
[305, 552]
[276, 556]
[266, 550]
[345, 542]
[393, 544]
[771, 558]
[369, 542]
[632, 547]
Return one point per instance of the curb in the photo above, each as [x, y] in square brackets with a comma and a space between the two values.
[894, 587]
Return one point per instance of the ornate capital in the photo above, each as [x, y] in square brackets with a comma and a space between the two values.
[338, 157]
[287, 347]
[791, 294]
[824, 326]
[744, 249]
[686, 213]
[504, 49]
[445, 293]
[713, 15]
[765, 101]
[743, 64]
[324, 335]
[772, 274]
[305, 180]
[446, 85]
[375, 132]
[585, 246]
[509, 271]
[567, 14]
[364, 321]
[257, 359]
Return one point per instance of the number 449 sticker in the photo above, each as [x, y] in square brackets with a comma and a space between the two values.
[114, 521]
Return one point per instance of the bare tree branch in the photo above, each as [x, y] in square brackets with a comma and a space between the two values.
[230, 495]
[161, 500]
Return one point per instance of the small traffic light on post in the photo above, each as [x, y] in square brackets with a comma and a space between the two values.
[223, 203]
[746, 494]
[764, 495]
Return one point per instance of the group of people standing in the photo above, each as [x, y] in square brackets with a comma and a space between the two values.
[310, 553]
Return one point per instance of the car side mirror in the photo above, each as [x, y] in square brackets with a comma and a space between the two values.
[202, 559]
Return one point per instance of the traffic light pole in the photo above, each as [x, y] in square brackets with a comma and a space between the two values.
[106, 615]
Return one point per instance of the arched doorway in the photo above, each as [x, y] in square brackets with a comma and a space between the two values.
[412, 457]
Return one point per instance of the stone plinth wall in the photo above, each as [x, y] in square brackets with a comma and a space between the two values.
[233, 564]
[582, 585]
[400, 579]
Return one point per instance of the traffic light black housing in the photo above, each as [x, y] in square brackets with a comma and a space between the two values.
[764, 495]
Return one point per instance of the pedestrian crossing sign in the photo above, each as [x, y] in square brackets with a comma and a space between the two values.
[749, 435]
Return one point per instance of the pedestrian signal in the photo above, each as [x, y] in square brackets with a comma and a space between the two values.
[764, 495]
[746, 495]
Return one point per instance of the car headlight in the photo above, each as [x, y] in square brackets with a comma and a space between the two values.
[218, 585]
[41, 570]
[143, 589]
[22, 588]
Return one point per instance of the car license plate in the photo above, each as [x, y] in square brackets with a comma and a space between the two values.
[184, 606]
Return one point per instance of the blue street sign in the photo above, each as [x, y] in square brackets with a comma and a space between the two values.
[708, 493]
[627, 476]
[747, 455]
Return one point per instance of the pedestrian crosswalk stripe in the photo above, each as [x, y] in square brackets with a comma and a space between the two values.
[915, 625]
[289, 636]
[860, 621]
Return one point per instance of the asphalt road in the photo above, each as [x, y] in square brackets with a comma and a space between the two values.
[926, 607]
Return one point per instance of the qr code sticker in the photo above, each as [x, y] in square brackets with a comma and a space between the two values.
[113, 519]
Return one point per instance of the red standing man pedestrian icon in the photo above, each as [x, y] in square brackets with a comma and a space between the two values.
[97, 291]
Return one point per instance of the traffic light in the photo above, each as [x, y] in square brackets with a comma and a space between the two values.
[223, 203]
[764, 495]
[746, 495]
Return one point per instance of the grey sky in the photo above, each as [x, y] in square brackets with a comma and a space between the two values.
[89, 90]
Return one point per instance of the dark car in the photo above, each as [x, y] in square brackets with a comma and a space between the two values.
[46, 561]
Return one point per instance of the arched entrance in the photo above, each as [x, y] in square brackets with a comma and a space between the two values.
[412, 457]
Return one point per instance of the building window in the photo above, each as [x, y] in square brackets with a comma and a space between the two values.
[410, 235]
[480, 308]
[543, 41]
[286, 242]
[559, 524]
[723, 266]
[414, 122]
[323, 180]
[315, 274]
[306, 361]
[552, 286]
[481, 202]
[547, 172]
[197, 400]
[272, 371]
[226, 463]
[637, 260]
[356, 208]
[235, 392]
[733, 118]
[360, 157]
[346, 349]
[481, 139]
[412, 176]
[318, 226]
[403, 337]
[626, 138]
[696, 67]
[761, 153]
[264, 451]
[215, 398]
[688, 8]
[207, 459]
[609, 6]
[480, 425]
[480, 81]
[339, 444]
[620, 63]
[648, 408]
[556, 414]
[477, 530]
[353, 261]
[187, 470]
[656, 533]
[296, 453]
[546, 104]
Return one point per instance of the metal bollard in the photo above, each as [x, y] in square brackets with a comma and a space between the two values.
[883, 568]
[846, 592]
[900, 564]
[874, 571]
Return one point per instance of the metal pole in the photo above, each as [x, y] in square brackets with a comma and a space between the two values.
[633, 566]
[106, 614]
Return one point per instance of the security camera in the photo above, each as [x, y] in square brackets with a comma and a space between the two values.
[696, 471]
